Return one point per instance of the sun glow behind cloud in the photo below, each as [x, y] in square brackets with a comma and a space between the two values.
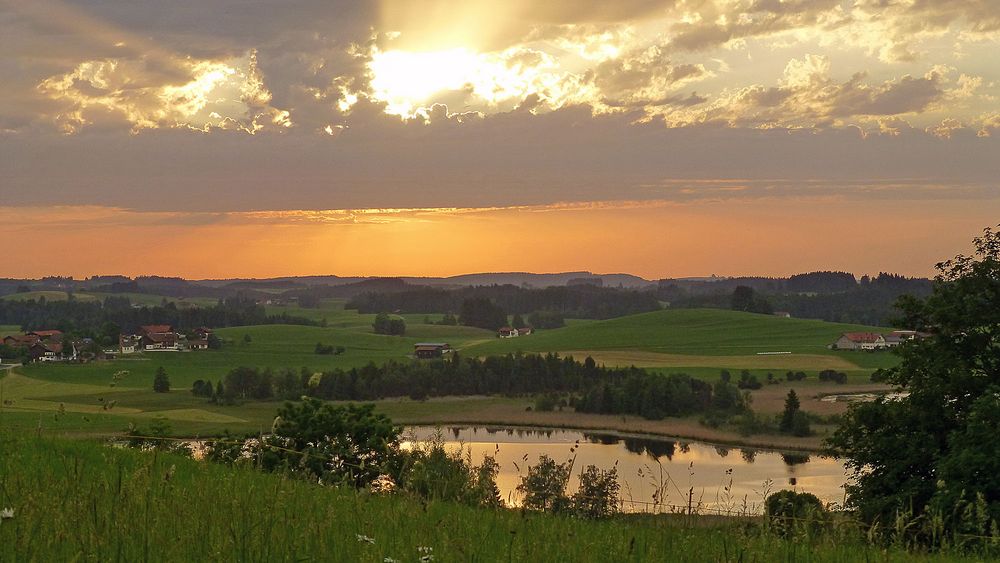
[175, 92]
[410, 81]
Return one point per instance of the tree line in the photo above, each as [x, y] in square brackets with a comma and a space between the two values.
[104, 320]
[589, 387]
[581, 301]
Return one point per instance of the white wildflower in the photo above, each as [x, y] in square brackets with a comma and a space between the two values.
[365, 539]
[6, 513]
[390, 560]
[423, 549]
[426, 558]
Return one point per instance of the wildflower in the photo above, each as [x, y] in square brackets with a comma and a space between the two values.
[390, 560]
[365, 539]
[6, 513]
[426, 558]
[423, 549]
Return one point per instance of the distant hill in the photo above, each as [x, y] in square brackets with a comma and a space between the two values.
[489, 278]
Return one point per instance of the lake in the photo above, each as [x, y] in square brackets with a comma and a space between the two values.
[656, 474]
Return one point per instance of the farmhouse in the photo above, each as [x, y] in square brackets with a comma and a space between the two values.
[20, 340]
[199, 344]
[45, 351]
[426, 350]
[155, 329]
[160, 341]
[129, 344]
[860, 341]
[508, 332]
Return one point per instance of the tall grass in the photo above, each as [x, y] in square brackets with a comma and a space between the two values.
[76, 501]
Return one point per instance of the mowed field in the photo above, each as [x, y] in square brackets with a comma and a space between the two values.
[701, 338]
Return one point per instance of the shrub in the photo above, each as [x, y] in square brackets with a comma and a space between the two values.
[597, 496]
[795, 375]
[433, 472]
[544, 486]
[748, 381]
[546, 402]
[788, 511]
[391, 325]
[324, 349]
[161, 383]
[838, 377]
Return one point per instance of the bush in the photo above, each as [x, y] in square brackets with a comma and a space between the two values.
[795, 375]
[597, 496]
[335, 443]
[433, 472]
[788, 511]
[748, 381]
[800, 425]
[324, 349]
[544, 486]
[838, 377]
[391, 325]
[546, 402]
[161, 383]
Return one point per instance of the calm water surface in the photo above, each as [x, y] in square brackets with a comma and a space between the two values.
[722, 477]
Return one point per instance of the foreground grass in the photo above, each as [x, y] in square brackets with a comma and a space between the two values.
[82, 501]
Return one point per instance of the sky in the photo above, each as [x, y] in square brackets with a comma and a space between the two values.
[664, 138]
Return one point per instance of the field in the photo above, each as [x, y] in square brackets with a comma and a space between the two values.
[86, 399]
[701, 338]
[72, 501]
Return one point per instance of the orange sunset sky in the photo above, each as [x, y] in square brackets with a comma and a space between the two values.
[663, 138]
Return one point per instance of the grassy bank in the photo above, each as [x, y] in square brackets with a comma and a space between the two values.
[82, 501]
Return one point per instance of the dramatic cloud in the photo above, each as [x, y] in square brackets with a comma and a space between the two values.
[222, 105]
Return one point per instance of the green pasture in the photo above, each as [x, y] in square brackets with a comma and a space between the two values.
[697, 333]
[274, 346]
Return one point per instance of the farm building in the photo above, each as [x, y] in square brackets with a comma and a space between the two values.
[46, 334]
[426, 350]
[508, 332]
[45, 351]
[160, 341]
[200, 344]
[897, 337]
[860, 341]
[129, 344]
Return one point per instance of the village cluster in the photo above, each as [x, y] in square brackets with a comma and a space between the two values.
[54, 346]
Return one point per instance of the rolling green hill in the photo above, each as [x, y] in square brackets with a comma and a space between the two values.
[673, 337]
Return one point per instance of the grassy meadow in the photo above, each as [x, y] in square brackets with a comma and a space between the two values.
[72, 501]
[87, 398]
